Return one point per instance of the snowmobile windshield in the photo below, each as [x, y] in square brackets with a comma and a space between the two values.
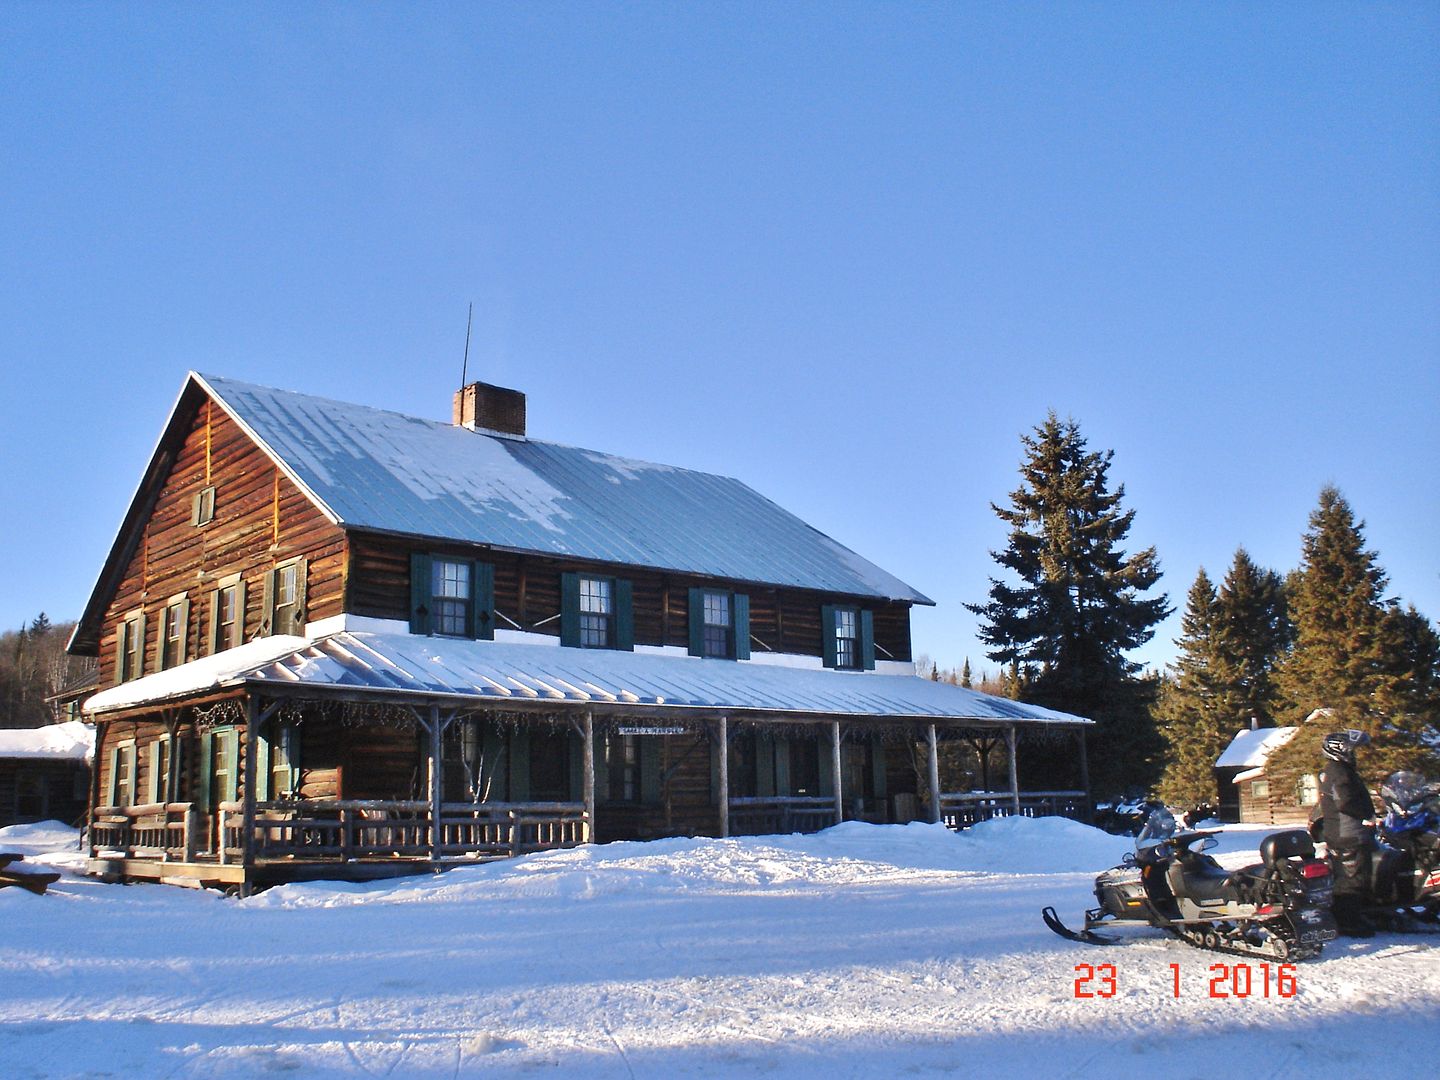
[1403, 789]
[1159, 827]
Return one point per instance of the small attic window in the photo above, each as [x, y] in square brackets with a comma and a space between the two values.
[202, 507]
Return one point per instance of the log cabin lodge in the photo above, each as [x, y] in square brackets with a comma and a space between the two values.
[340, 642]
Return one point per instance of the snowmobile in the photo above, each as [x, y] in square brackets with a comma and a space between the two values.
[1403, 879]
[1277, 909]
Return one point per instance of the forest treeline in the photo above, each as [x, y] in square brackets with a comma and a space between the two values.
[1262, 647]
[33, 667]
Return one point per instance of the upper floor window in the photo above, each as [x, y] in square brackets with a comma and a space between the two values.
[719, 624]
[172, 633]
[450, 597]
[285, 599]
[227, 615]
[286, 595]
[597, 609]
[596, 612]
[848, 637]
[130, 647]
[202, 507]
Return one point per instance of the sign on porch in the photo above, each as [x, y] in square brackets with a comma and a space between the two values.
[650, 730]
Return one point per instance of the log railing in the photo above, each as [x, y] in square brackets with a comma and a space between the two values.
[170, 832]
[768, 815]
[959, 810]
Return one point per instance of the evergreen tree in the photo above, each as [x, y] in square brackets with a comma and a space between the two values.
[1366, 661]
[1078, 607]
[965, 674]
[1252, 631]
[1188, 713]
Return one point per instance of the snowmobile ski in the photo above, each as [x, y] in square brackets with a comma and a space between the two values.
[1089, 937]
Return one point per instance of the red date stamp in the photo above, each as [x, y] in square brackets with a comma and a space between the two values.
[1239, 981]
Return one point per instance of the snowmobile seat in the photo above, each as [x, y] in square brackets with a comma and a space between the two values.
[1206, 879]
[1290, 844]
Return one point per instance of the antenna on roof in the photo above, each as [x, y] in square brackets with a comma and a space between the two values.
[465, 364]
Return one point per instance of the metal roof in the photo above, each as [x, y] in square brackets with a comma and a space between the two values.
[384, 471]
[501, 672]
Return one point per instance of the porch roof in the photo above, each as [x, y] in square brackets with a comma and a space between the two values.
[523, 674]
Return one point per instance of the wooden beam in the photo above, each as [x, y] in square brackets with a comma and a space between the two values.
[835, 766]
[1014, 772]
[1084, 771]
[724, 776]
[933, 758]
[588, 757]
[437, 778]
[247, 839]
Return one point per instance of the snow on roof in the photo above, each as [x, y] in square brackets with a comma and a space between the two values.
[375, 469]
[1250, 747]
[506, 671]
[73, 741]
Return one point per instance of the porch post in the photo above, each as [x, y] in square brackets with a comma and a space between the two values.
[437, 780]
[835, 768]
[724, 776]
[1084, 770]
[247, 843]
[1014, 772]
[932, 743]
[587, 756]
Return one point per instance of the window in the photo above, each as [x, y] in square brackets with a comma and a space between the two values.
[597, 609]
[29, 797]
[622, 759]
[285, 762]
[287, 596]
[224, 746]
[202, 507]
[130, 647]
[1260, 789]
[122, 774]
[227, 615]
[450, 597]
[848, 637]
[845, 635]
[158, 790]
[1309, 790]
[719, 624]
[596, 612]
[172, 633]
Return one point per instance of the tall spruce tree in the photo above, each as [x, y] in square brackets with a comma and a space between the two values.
[1187, 713]
[1252, 631]
[1363, 659]
[1078, 607]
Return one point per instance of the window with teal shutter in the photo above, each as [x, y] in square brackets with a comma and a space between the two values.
[451, 597]
[596, 612]
[847, 637]
[719, 624]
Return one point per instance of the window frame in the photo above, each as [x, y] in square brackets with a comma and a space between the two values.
[202, 506]
[620, 632]
[130, 646]
[591, 636]
[480, 607]
[219, 639]
[863, 639]
[437, 597]
[171, 652]
[737, 635]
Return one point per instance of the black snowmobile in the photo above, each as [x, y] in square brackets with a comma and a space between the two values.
[1402, 881]
[1277, 909]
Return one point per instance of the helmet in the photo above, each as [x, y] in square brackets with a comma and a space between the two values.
[1340, 745]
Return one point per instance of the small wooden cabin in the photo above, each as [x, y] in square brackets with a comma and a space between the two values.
[45, 773]
[1248, 794]
[343, 642]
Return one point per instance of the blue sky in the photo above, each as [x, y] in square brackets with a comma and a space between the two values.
[847, 253]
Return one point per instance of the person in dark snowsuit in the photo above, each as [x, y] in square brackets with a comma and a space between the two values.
[1346, 815]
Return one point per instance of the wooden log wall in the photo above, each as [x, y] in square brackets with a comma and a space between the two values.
[57, 781]
[527, 590]
[261, 519]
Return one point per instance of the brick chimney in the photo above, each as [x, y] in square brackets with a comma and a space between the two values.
[491, 408]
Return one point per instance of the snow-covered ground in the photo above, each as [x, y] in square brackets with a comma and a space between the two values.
[864, 951]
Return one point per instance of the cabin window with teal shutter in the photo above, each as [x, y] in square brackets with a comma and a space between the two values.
[596, 612]
[451, 597]
[848, 637]
[719, 624]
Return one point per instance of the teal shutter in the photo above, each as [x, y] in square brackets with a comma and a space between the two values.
[570, 610]
[602, 770]
[482, 605]
[576, 743]
[111, 787]
[877, 770]
[152, 778]
[520, 766]
[697, 622]
[740, 616]
[764, 765]
[419, 593]
[213, 644]
[782, 767]
[827, 634]
[624, 616]
[867, 639]
[826, 753]
[229, 746]
[300, 616]
[203, 770]
[650, 767]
